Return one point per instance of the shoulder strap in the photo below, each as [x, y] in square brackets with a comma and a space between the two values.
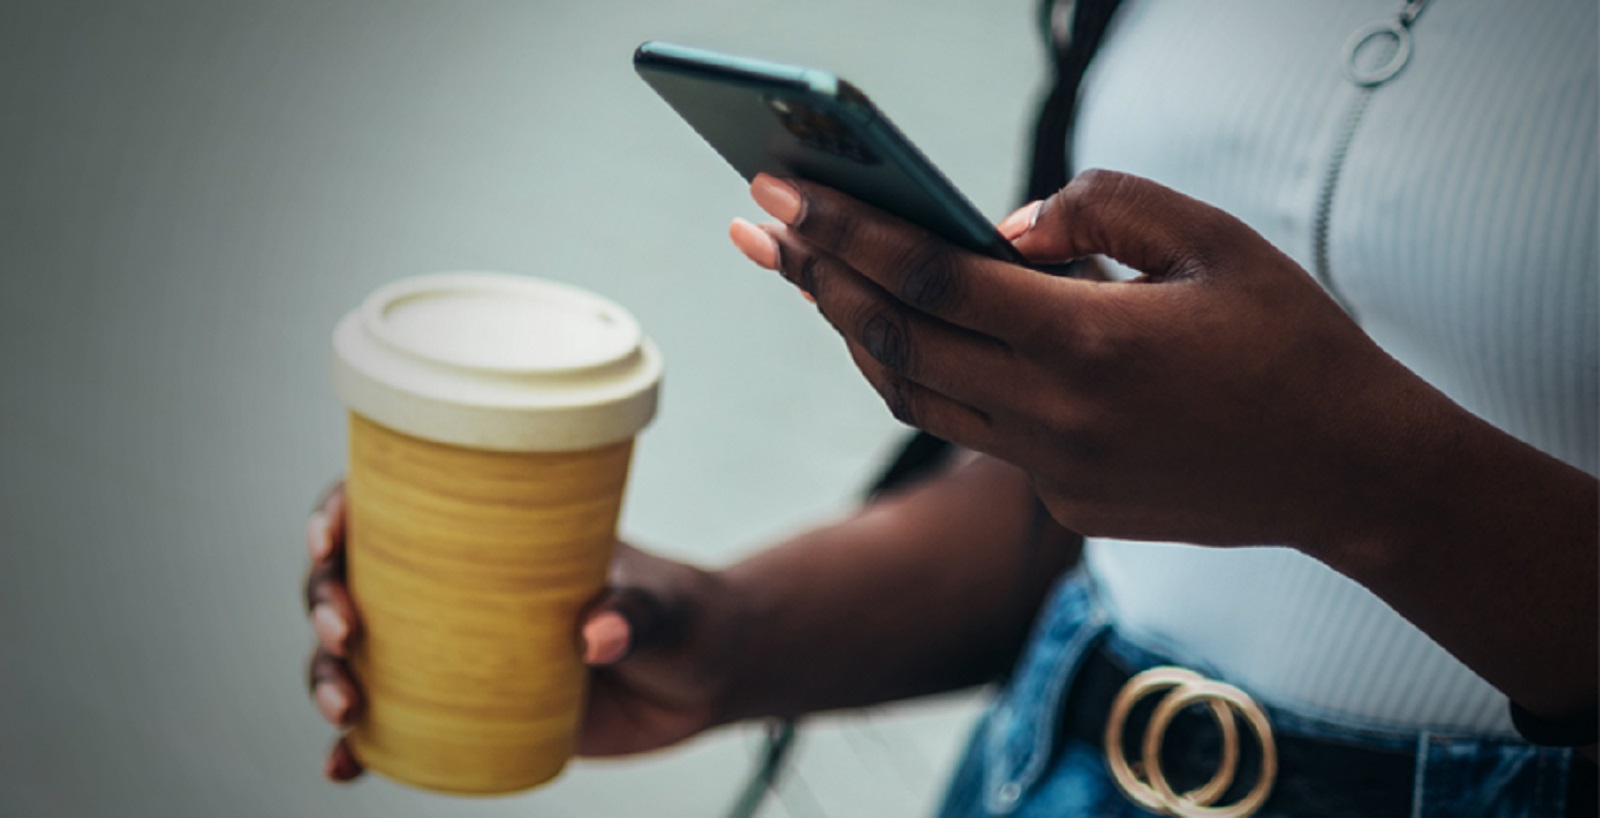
[1075, 29]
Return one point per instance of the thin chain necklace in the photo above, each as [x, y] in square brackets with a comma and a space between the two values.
[1396, 31]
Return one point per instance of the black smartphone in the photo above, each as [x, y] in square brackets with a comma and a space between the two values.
[788, 121]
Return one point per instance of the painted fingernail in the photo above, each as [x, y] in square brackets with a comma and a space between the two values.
[777, 197]
[332, 702]
[317, 539]
[755, 243]
[605, 639]
[330, 627]
[1020, 221]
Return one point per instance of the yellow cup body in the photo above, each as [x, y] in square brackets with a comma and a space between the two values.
[470, 568]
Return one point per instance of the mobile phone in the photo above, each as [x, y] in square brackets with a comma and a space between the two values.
[788, 121]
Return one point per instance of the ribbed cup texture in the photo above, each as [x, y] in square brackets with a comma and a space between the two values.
[470, 569]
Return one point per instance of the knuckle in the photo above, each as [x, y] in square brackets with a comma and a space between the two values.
[826, 227]
[324, 667]
[319, 583]
[884, 336]
[898, 396]
[1085, 193]
[1093, 197]
[929, 276]
[1100, 186]
[805, 277]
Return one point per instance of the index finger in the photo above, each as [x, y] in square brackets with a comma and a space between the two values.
[325, 527]
[918, 268]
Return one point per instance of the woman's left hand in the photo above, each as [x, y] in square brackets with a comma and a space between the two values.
[1220, 398]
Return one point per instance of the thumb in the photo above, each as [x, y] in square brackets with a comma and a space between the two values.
[1146, 226]
[622, 623]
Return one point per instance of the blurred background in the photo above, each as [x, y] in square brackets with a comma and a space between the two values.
[192, 193]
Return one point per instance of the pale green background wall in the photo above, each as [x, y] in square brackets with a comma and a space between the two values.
[192, 193]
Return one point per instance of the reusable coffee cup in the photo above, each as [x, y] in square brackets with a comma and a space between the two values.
[491, 422]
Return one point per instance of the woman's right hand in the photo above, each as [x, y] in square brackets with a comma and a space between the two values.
[657, 641]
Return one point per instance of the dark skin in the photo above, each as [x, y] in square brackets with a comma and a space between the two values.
[1221, 399]
[809, 624]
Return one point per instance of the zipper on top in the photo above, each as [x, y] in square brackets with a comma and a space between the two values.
[1394, 36]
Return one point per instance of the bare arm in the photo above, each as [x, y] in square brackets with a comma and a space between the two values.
[928, 590]
[1222, 398]
[1487, 545]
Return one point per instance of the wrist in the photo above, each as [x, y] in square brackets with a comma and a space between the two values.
[1431, 478]
[1392, 464]
[731, 646]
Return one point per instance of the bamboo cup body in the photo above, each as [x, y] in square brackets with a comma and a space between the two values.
[470, 568]
[492, 418]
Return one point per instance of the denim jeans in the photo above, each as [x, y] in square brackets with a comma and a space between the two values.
[1019, 764]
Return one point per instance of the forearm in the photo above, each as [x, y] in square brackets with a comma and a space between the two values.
[923, 591]
[1489, 547]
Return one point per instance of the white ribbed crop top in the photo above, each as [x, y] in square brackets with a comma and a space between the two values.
[1462, 235]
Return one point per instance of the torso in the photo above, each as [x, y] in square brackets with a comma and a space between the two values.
[1462, 237]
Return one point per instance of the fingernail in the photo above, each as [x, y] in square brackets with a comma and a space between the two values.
[777, 197]
[755, 243]
[808, 297]
[332, 702]
[1020, 221]
[330, 627]
[341, 766]
[317, 535]
[605, 639]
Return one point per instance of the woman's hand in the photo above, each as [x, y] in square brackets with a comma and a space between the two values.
[655, 641]
[1220, 398]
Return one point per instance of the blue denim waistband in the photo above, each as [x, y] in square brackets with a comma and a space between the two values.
[1013, 749]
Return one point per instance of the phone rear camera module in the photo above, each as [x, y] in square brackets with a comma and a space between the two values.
[820, 131]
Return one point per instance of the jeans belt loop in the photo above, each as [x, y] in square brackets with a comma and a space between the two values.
[1180, 687]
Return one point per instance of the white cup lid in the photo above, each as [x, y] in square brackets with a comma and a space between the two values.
[495, 361]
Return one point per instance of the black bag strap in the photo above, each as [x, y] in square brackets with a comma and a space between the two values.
[1076, 29]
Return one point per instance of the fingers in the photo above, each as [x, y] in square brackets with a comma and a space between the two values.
[920, 270]
[625, 622]
[1141, 224]
[333, 619]
[342, 764]
[606, 638]
[963, 364]
[333, 689]
[325, 527]
[327, 599]
[333, 614]
[916, 405]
